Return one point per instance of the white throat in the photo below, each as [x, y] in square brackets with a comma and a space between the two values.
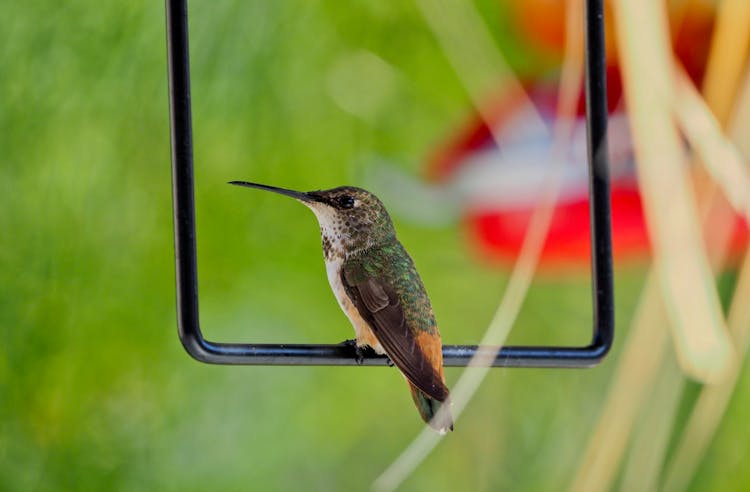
[335, 239]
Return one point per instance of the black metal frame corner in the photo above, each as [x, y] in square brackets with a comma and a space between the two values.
[454, 355]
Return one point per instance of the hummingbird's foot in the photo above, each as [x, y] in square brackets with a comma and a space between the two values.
[359, 352]
[388, 361]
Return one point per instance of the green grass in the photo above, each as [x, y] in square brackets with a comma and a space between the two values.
[96, 392]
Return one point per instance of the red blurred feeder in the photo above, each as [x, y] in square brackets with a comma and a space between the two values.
[501, 185]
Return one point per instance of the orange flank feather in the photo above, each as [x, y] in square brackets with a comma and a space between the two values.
[428, 407]
[432, 348]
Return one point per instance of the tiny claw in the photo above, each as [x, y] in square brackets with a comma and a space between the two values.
[388, 361]
[349, 343]
[359, 354]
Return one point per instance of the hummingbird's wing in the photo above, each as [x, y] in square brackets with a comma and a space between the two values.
[379, 305]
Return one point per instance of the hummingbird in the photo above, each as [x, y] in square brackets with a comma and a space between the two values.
[378, 288]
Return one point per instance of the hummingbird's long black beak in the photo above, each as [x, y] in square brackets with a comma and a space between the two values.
[299, 195]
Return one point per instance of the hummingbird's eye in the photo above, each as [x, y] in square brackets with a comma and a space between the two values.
[346, 201]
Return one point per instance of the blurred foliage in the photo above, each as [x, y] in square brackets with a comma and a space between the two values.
[96, 392]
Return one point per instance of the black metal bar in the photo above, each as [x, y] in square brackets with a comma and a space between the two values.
[183, 200]
[454, 355]
[599, 196]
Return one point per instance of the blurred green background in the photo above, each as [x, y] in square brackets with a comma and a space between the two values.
[96, 392]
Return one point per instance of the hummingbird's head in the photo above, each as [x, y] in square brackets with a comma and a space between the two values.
[351, 219]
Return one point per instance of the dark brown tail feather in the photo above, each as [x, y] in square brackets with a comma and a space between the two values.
[428, 408]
